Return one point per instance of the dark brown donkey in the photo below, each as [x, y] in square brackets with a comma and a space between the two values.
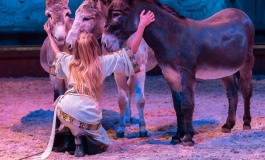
[217, 47]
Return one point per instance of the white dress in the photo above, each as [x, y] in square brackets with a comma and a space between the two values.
[81, 114]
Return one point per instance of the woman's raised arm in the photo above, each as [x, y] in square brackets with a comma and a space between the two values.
[145, 20]
[52, 42]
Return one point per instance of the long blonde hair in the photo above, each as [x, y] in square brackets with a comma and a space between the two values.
[86, 67]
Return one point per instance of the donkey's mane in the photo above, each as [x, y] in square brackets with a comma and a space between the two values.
[95, 1]
[50, 3]
[56, 6]
[168, 9]
[164, 7]
[87, 4]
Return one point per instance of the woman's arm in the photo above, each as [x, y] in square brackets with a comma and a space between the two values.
[60, 65]
[123, 61]
[145, 20]
[52, 42]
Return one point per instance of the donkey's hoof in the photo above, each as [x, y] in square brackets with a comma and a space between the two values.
[143, 134]
[128, 122]
[187, 140]
[175, 141]
[246, 127]
[226, 129]
[188, 143]
[120, 134]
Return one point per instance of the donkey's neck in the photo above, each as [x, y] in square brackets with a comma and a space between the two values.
[163, 33]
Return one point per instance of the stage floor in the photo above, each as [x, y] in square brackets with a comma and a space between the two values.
[26, 115]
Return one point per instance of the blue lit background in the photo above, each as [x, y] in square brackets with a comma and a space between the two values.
[22, 20]
[26, 15]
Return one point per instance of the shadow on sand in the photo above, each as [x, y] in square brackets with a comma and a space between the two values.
[167, 131]
[111, 120]
[204, 125]
[41, 119]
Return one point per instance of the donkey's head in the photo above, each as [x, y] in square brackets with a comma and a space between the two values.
[58, 14]
[89, 17]
[122, 21]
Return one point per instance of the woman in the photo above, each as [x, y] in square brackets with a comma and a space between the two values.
[78, 109]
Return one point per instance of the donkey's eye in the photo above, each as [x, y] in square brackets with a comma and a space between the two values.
[49, 15]
[67, 14]
[116, 14]
[105, 1]
[87, 18]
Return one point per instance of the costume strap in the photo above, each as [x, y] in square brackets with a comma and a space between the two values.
[53, 68]
[134, 62]
[77, 123]
[48, 149]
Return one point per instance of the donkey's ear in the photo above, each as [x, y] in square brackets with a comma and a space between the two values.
[65, 2]
[106, 2]
[102, 6]
[130, 2]
[49, 2]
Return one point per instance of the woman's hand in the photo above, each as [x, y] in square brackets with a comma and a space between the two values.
[47, 28]
[146, 19]
[54, 46]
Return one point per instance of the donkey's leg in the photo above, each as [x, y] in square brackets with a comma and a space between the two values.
[138, 85]
[173, 80]
[246, 89]
[130, 90]
[232, 96]
[121, 81]
[58, 89]
[58, 86]
[187, 103]
[180, 121]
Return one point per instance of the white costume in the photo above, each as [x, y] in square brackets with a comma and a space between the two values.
[80, 113]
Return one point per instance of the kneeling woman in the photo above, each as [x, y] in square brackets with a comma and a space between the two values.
[78, 109]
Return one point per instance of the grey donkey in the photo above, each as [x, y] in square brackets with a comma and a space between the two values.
[57, 12]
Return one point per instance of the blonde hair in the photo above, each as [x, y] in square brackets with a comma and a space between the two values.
[86, 67]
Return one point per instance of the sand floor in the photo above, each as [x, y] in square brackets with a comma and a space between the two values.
[26, 115]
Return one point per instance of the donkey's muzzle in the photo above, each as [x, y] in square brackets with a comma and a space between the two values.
[69, 46]
[104, 45]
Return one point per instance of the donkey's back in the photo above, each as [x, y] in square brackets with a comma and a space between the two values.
[222, 43]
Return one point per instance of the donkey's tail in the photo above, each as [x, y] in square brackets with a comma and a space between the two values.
[237, 80]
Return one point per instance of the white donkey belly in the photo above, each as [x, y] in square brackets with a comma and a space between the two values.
[208, 72]
[145, 55]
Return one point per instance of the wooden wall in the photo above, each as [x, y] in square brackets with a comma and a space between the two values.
[21, 62]
[24, 61]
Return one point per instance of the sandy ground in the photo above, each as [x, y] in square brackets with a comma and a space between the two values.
[26, 116]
